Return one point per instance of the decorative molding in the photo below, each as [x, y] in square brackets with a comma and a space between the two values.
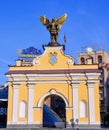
[36, 61]
[48, 82]
[73, 82]
[77, 74]
[92, 81]
[70, 61]
[52, 91]
[48, 94]
[45, 75]
[69, 108]
[92, 75]
[18, 82]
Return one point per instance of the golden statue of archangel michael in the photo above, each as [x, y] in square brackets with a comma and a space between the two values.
[53, 27]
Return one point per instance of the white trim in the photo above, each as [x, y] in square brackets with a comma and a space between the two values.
[77, 75]
[78, 81]
[50, 93]
[49, 82]
[37, 122]
[91, 103]
[92, 74]
[52, 75]
[25, 123]
[75, 101]
[15, 75]
[15, 104]
[9, 123]
[94, 123]
[19, 82]
[46, 75]
[30, 103]
[69, 108]
[93, 81]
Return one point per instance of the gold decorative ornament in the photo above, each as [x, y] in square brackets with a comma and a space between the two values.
[53, 27]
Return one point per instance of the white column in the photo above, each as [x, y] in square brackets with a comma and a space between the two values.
[15, 104]
[91, 103]
[30, 103]
[75, 102]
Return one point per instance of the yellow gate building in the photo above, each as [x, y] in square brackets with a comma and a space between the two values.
[53, 73]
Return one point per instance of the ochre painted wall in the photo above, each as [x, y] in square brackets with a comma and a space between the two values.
[43, 84]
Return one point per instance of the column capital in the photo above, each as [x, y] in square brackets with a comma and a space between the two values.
[15, 86]
[30, 86]
[74, 84]
[90, 83]
[92, 78]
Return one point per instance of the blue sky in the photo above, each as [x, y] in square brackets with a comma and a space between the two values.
[87, 24]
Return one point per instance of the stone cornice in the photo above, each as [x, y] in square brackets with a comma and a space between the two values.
[56, 71]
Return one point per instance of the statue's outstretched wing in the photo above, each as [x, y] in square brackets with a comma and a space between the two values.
[44, 20]
[62, 19]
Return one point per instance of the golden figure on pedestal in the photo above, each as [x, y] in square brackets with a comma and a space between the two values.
[53, 27]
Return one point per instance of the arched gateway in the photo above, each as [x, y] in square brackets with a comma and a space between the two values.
[38, 81]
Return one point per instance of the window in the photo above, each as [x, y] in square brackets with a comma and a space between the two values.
[82, 60]
[83, 109]
[99, 59]
[92, 60]
[22, 109]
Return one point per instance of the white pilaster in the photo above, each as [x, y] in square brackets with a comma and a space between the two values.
[15, 104]
[30, 103]
[75, 101]
[91, 103]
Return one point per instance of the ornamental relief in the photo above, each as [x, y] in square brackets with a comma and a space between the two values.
[36, 62]
[53, 58]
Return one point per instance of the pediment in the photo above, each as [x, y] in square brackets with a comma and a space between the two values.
[53, 57]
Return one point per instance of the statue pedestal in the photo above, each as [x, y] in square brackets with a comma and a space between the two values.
[54, 45]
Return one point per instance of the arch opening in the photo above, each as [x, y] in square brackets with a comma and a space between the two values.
[54, 111]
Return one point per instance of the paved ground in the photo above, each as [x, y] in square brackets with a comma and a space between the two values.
[54, 128]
